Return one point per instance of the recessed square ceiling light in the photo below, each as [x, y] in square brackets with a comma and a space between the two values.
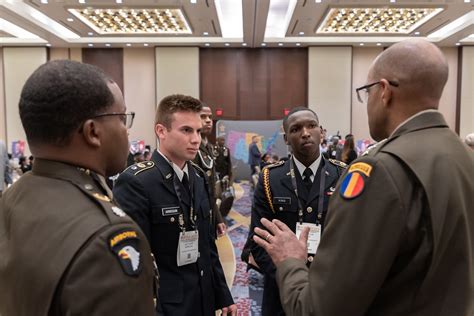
[128, 44]
[280, 44]
[108, 45]
[90, 33]
[205, 33]
[264, 44]
[375, 20]
[298, 44]
[44, 1]
[146, 44]
[207, 44]
[70, 19]
[82, 1]
[90, 45]
[244, 44]
[134, 21]
[301, 33]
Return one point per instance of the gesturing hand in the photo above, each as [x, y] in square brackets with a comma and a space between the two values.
[280, 242]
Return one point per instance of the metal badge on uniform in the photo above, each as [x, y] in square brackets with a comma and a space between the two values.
[282, 200]
[125, 246]
[170, 211]
[101, 197]
[352, 185]
[314, 236]
[188, 248]
[118, 211]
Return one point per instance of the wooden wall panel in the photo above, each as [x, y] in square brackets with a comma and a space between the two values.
[218, 72]
[253, 84]
[110, 60]
[288, 80]
[253, 79]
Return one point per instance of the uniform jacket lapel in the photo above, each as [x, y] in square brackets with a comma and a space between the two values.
[166, 171]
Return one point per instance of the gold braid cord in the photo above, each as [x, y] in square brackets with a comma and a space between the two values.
[266, 187]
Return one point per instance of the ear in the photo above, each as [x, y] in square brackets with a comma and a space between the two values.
[160, 131]
[286, 139]
[91, 132]
[386, 92]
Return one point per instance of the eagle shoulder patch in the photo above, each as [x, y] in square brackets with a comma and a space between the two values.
[125, 245]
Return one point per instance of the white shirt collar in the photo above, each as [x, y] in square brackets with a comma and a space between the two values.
[411, 118]
[179, 172]
[314, 166]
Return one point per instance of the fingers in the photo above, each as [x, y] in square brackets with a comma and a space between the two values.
[262, 233]
[261, 242]
[274, 230]
[304, 235]
[224, 311]
[282, 226]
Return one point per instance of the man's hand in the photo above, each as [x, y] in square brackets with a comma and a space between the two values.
[280, 242]
[230, 310]
[221, 229]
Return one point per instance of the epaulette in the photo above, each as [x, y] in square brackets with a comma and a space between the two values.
[373, 146]
[276, 164]
[198, 168]
[140, 167]
[338, 163]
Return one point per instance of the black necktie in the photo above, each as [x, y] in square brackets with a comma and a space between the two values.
[185, 183]
[307, 178]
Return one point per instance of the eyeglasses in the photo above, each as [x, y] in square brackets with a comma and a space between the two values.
[126, 118]
[362, 97]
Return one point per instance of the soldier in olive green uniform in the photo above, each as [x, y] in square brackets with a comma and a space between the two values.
[399, 237]
[66, 247]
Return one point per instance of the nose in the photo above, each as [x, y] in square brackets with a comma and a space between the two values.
[196, 138]
[305, 132]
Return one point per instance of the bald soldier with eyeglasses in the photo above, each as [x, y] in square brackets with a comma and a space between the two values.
[399, 237]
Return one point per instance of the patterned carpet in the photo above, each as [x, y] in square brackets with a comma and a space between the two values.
[247, 287]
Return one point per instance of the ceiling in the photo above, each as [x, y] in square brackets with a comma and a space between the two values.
[232, 23]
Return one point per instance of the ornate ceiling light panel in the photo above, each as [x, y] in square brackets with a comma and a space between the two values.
[375, 20]
[134, 21]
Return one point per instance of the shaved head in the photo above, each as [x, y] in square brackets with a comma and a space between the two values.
[417, 65]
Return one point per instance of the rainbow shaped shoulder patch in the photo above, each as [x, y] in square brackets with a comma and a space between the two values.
[352, 185]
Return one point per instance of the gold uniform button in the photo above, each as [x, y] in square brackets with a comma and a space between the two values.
[310, 258]
[172, 219]
[309, 209]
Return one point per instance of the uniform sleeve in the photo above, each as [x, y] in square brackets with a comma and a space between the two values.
[99, 282]
[260, 209]
[223, 297]
[357, 249]
[132, 198]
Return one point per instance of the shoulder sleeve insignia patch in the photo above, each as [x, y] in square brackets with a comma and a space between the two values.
[125, 246]
[352, 185]
[363, 167]
[338, 163]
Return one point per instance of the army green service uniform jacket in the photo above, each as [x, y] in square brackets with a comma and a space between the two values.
[399, 237]
[67, 249]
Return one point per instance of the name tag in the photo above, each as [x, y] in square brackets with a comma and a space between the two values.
[170, 211]
[314, 236]
[188, 248]
[282, 200]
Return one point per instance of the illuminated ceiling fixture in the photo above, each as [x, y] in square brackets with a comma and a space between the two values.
[134, 21]
[375, 20]
[230, 17]
[279, 17]
[15, 30]
[468, 40]
[457, 25]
